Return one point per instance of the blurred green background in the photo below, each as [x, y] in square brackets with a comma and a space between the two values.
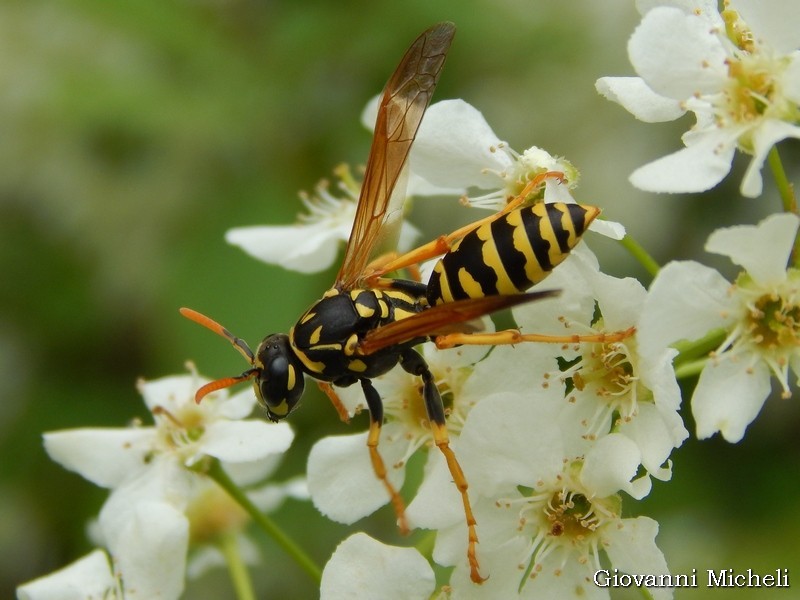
[134, 134]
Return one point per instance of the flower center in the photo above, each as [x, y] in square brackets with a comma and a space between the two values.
[570, 514]
[752, 88]
[563, 519]
[774, 323]
[609, 372]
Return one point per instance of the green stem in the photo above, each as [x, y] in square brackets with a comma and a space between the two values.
[639, 253]
[218, 474]
[786, 191]
[229, 546]
[645, 593]
[690, 368]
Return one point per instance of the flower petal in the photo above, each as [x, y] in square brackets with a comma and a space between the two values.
[633, 94]
[728, 397]
[87, 578]
[341, 480]
[631, 546]
[765, 136]
[696, 168]
[610, 466]
[455, 145]
[362, 567]
[686, 301]
[497, 451]
[677, 54]
[774, 22]
[303, 248]
[106, 457]
[245, 441]
[150, 552]
[762, 250]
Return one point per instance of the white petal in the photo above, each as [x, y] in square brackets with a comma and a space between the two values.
[677, 55]
[247, 473]
[302, 248]
[697, 168]
[163, 481]
[88, 578]
[654, 438]
[762, 250]
[362, 567]
[791, 79]
[341, 481]
[564, 578]
[686, 301]
[765, 136]
[729, 396]
[514, 369]
[238, 406]
[610, 465]
[511, 439]
[609, 229]
[170, 392]
[454, 145]
[620, 300]
[245, 441]
[773, 22]
[707, 9]
[633, 94]
[150, 552]
[105, 457]
[437, 503]
[631, 546]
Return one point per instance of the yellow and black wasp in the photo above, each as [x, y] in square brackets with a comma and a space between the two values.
[367, 324]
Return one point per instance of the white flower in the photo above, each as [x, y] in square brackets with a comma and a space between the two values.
[759, 313]
[738, 72]
[456, 150]
[545, 514]
[88, 578]
[612, 387]
[311, 244]
[362, 567]
[341, 480]
[151, 472]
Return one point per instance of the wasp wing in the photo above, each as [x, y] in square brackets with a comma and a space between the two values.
[439, 319]
[403, 103]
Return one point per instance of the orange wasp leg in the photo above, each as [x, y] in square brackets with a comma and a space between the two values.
[328, 390]
[388, 263]
[514, 336]
[412, 362]
[375, 422]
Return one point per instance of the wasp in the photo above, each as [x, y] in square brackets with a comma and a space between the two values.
[366, 324]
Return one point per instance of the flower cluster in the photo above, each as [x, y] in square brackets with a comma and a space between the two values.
[737, 70]
[162, 499]
[556, 440]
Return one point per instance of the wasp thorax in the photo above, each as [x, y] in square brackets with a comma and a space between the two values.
[279, 383]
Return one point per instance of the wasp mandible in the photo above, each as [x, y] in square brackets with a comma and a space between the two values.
[366, 324]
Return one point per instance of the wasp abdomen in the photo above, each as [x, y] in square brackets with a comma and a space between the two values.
[511, 253]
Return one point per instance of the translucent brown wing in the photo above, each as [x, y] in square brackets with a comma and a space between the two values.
[404, 100]
[440, 319]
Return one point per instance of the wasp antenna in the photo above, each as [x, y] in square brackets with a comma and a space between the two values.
[223, 383]
[211, 324]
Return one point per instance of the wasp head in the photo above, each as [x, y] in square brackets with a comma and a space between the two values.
[279, 379]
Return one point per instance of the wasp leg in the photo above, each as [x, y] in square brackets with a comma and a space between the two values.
[387, 263]
[514, 336]
[327, 388]
[413, 363]
[375, 421]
